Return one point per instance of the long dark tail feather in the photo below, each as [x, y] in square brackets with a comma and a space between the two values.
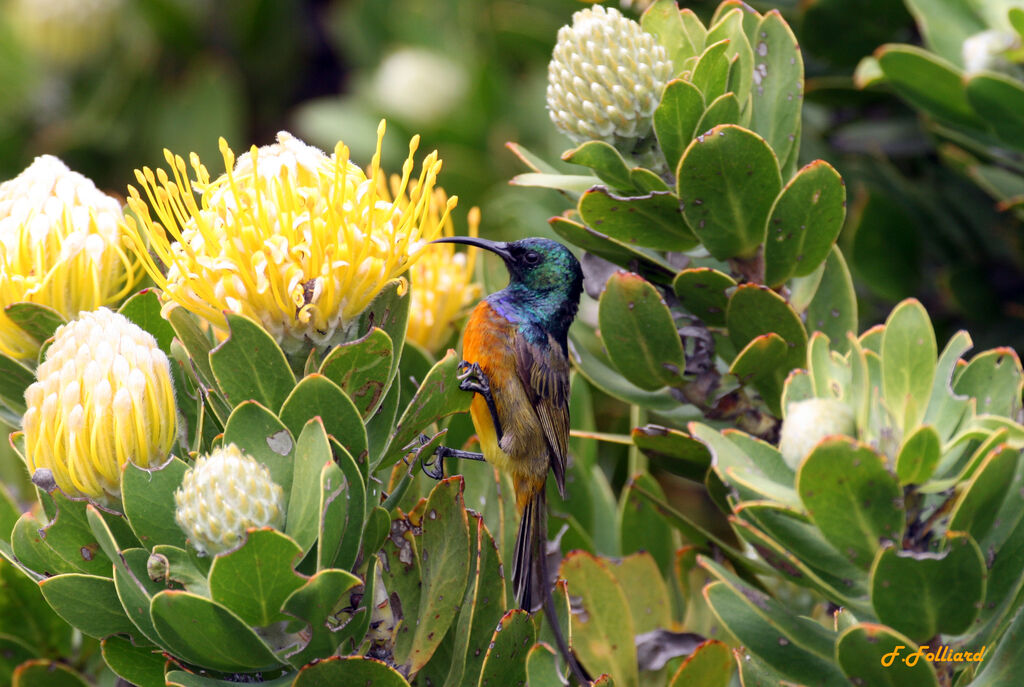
[531, 580]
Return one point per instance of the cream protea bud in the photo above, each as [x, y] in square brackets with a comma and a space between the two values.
[605, 78]
[103, 398]
[225, 493]
[808, 422]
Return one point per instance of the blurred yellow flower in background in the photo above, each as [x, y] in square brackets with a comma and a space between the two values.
[64, 32]
[60, 246]
[295, 239]
[103, 397]
[442, 284]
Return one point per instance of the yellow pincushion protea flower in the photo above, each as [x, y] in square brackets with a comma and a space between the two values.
[103, 397]
[442, 284]
[60, 246]
[288, 236]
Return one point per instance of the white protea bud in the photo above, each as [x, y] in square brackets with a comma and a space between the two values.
[605, 78]
[103, 397]
[808, 422]
[225, 493]
[987, 51]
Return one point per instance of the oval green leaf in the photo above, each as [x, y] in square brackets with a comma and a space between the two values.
[250, 366]
[651, 221]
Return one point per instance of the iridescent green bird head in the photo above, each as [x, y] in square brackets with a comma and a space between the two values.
[545, 281]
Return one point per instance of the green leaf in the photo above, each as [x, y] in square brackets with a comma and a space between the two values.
[918, 456]
[641, 260]
[999, 100]
[179, 678]
[798, 648]
[778, 85]
[148, 497]
[249, 365]
[851, 497]
[980, 499]
[681, 41]
[872, 654]
[605, 160]
[316, 602]
[923, 594]
[46, 673]
[946, 24]
[541, 670]
[186, 568]
[139, 665]
[143, 309]
[672, 450]
[532, 161]
[755, 310]
[908, 363]
[343, 502]
[438, 396]
[651, 221]
[505, 661]
[725, 109]
[676, 118]
[945, 407]
[26, 618]
[206, 634]
[607, 379]
[88, 602]
[650, 605]
[704, 292]
[727, 181]
[254, 580]
[481, 609]
[755, 469]
[1004, 665]
[639, 333]
[642, 527]
[444, 562]
[761, 363]
[135, 589]
[195, 341]
[349, 670]
[833, 309]
[710, 665]
[389, 311]
[15, 377]
[362, 369]
[602, 627]
[791, 544]
[38, 321]
[13, 653]
[312, 453]
[804, 222]
[929, 83]
[711, 73]
[260, 434]
[729, 26]
[994, 378]
[64, 545]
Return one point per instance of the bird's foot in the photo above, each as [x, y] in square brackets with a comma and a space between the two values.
[433, 463]
[472, 378]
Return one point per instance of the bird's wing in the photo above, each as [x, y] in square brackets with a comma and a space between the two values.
[544, 372]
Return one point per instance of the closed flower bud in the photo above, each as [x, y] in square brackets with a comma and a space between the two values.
[103, 397]
[224, 494]
[605, 78]
[808, 422]
[60, 246]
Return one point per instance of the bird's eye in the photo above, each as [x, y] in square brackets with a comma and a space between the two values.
[531, 257]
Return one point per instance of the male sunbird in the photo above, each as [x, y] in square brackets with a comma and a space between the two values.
[515, 357]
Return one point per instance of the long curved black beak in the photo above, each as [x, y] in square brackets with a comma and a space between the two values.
[497, 247]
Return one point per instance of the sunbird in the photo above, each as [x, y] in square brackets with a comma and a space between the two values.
[516, 360]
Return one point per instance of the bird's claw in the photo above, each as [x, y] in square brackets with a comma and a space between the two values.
[472, 378]
[433, 463]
